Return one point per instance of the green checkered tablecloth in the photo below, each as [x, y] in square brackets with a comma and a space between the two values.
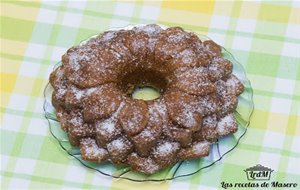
[264, 36]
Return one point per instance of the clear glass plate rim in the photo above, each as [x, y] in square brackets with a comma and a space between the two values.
[249, 87]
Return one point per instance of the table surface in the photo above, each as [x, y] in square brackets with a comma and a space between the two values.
[263, 36]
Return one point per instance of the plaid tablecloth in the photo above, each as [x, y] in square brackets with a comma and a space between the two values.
[263, 36]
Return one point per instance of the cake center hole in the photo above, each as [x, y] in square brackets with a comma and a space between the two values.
[145, 93]
[143, 84]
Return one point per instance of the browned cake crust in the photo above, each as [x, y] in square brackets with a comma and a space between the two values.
[92, 97]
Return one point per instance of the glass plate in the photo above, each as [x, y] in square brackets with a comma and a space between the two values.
[181, 169]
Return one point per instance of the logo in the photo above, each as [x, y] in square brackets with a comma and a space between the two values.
[258, 172]
[258, 176]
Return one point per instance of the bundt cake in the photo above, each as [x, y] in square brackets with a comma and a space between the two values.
[94, 105]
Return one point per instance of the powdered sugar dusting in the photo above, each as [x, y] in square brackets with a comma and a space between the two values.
[59, 114]
[146, 134]
[61, 91]
[82, 55]
[134, 121]
[150, 165]
[74, 95]
[225, 124]
[107, 101]
[60, 73]
[150, 29]
[166, 148]
[117, 145]
[108, 126]
[207, 105]
[188, 118]
[231, 82]
[161, 108]
[91, 90]
[187, 56]
[227, 120]
[200, 147]
[138, 45]
[91, 150]
[146, 165]
[210, 121]
[233, 85]
[77, 92]
[176, 38]
[76, 121]
[194, 81]
[182, 110]
[134, 117]
[75, 58]
[108, 36]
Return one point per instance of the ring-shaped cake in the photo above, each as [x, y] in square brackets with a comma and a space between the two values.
[93, 97]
